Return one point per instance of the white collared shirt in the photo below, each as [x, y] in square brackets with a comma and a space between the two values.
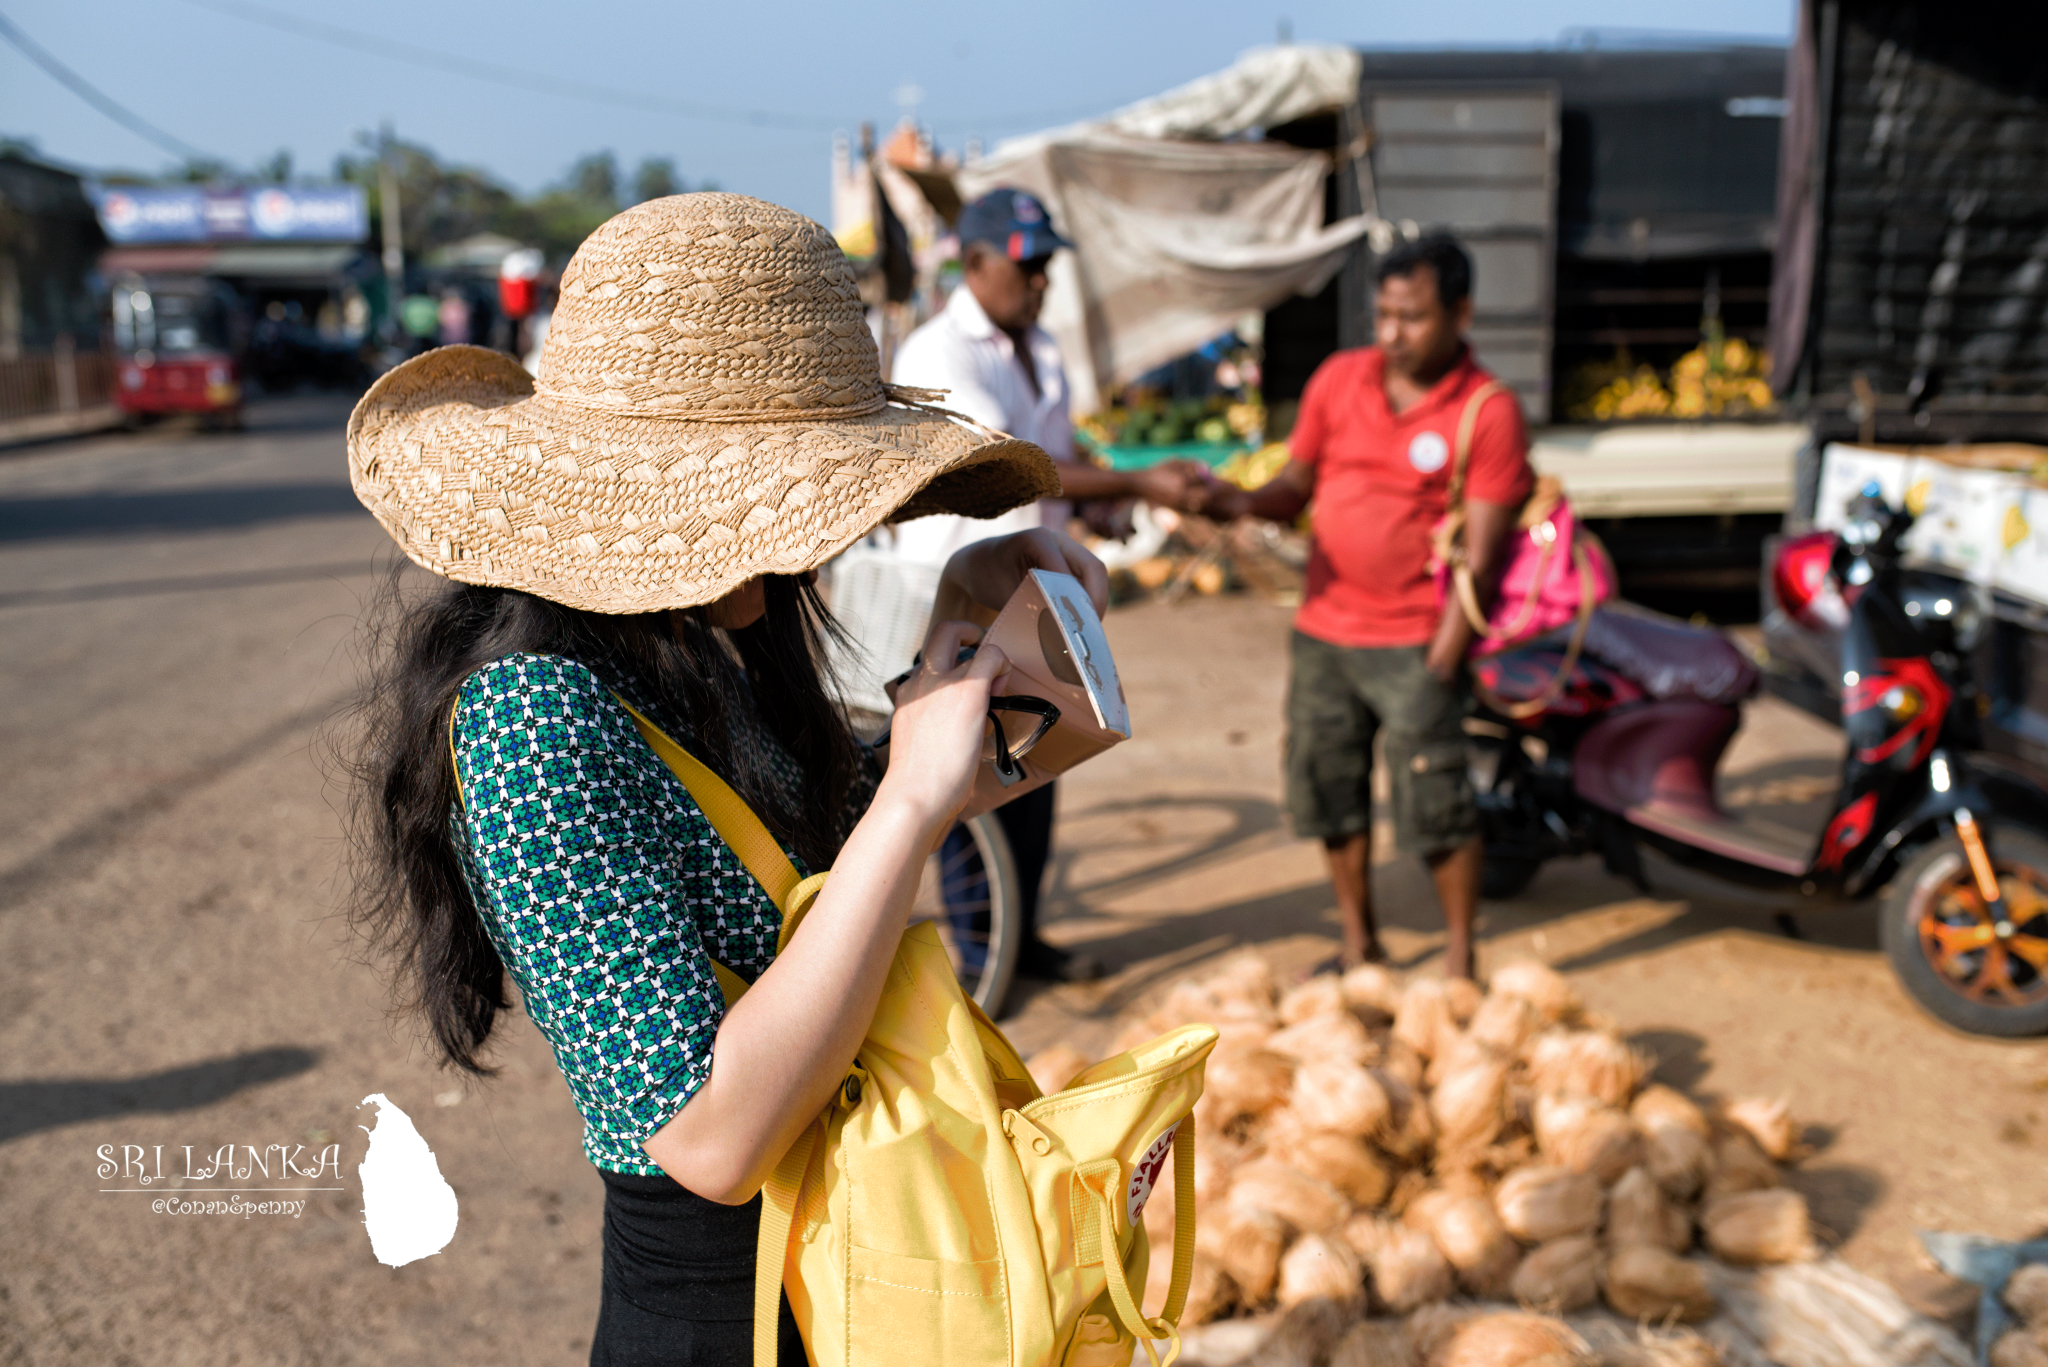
[962, 352]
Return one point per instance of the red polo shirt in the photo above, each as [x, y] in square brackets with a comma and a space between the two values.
[1382, 479]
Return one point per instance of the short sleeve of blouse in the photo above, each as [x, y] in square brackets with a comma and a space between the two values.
[605, 890]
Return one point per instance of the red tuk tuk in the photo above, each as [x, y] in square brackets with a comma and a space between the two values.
[176, 350]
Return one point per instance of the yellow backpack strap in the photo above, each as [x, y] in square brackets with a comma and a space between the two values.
[778, 1212]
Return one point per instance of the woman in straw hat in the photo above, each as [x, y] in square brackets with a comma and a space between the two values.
[638, 527]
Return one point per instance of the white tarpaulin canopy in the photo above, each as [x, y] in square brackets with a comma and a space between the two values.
[1177, 236]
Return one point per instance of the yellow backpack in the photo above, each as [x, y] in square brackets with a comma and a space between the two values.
[941, 1212]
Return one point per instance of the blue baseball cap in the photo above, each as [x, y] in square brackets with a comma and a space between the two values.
[1013, 222]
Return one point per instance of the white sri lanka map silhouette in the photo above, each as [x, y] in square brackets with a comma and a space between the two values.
[408, 1206]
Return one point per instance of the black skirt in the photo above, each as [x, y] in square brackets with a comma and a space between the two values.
[679, 1279]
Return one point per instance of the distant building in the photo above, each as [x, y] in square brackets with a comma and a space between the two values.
[50, 241]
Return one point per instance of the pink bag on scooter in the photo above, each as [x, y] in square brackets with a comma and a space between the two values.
[1556, 573]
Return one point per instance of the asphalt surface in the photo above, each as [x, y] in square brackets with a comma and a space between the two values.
[182, 614]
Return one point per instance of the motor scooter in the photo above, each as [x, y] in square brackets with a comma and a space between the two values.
[1575, 755]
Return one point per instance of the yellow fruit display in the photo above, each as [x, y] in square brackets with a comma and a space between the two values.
[1713, 380]
[1250, 469]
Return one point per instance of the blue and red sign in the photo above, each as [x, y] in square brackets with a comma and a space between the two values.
[325, 213]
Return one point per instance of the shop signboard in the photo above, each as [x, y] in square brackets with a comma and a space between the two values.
[319, 213]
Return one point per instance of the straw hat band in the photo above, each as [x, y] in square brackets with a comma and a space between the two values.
[741, 316]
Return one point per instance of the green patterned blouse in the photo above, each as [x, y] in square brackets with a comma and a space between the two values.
[605, 889]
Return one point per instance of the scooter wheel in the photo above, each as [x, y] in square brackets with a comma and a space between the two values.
[1977, 972]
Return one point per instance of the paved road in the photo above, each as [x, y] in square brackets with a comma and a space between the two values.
[180, 614]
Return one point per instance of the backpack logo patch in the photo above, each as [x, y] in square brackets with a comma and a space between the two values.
[1145, 1173]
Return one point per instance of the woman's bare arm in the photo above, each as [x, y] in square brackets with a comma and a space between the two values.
[784, 1047]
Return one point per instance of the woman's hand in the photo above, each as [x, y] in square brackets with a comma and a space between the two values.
[941, 713]
[981, 576]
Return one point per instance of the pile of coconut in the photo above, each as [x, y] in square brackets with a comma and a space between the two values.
[2026, 1343]
[1392, 1147]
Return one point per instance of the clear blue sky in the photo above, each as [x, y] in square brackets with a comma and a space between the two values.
[242, 90]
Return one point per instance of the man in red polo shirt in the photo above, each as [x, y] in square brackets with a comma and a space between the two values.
[1373, 648]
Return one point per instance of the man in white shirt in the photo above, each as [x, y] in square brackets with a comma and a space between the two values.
[1001, 369]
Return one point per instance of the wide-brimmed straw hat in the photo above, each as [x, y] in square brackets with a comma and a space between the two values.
[710, 407]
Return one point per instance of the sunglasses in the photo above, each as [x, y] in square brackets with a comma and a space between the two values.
[1008, 770]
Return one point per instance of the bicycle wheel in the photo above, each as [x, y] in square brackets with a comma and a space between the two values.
[969, 890]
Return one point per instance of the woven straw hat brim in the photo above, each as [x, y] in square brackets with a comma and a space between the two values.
[482, 481]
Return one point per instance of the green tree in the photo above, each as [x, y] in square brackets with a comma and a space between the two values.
[437, 204]
[596, 178]
[277, 170]
[655, 179]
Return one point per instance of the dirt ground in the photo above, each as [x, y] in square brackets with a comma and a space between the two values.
[179, 611]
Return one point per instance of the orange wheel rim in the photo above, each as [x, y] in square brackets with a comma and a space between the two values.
[1981, 958]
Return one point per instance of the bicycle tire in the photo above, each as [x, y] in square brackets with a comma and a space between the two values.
[984, 958]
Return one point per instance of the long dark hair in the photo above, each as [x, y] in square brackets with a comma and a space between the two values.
[411, 900]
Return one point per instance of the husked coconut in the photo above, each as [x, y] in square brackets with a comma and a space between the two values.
[1657, 1105]
[1303, 1202]
[1400, 1061]
[1245, 1244]
[1408, 1269]
[1461, 1051]
[1662, 1348]
[1505, 1021]
[1739, 1166]
[1768, 1122]
[1538, 984]
[1210, 1290]
[1539, 1204]
[1468, 1106]
[1312, 998]
[1424, 1021]
[1372, 990]
[1590, 1062]
[1648, 1283]
[1245, 981]
[1242, 1082]
[1374, 1343]
[2019, 1348]
[1329, 1034]
[1638, 1212]
[1680, 1159]
[1584, 1135]
[1216, 1159]
[1304, 1335]
[1409, 1132]
[1753, 1227]
[1345, 1161]
[1468, 1232]
[1331, 1094]
[1503, 1338]
[1053, 1068]
[1462, 996]
[1317, 1265]
[1560, 1276]
[2026, 1293]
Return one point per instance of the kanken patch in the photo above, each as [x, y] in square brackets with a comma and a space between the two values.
[1428, 452]
[1145, 1173]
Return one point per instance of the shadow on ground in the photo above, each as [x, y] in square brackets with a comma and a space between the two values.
[171, 510]
[26, 1107]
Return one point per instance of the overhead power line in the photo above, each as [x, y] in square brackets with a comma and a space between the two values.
[520, 78]
[97, 98]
